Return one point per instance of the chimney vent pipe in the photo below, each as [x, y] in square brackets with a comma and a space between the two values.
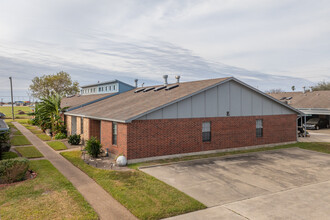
[177, 79]
[165, 80]
[136, 83]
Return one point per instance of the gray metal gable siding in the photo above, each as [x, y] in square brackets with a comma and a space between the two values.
[230, 97]
[124, 87]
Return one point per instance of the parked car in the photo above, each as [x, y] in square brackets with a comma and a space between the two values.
[317, 123]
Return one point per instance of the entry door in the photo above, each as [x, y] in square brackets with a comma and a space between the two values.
[73, 125]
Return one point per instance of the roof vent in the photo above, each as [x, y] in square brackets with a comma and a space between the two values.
[165, 79]
[148, 89]
[172, 87]
[138, 90]
[159, 88]
[177, 79]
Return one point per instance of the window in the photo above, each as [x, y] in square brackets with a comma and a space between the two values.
[109, 88]
[99, 89]
[94, 90]
[81, 125]
[206, 131]
[114, 87]
[114, 133]
[259, 128]
[106, 88]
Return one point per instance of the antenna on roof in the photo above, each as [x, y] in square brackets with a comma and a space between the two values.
[136, 83]
[142, 84]
[165, 79]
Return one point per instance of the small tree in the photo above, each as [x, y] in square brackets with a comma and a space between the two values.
[93, 147]
[274, 91]
[321, 86]
[48, 85]
[293, 88]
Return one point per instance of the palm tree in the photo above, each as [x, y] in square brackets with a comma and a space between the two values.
[50, 108]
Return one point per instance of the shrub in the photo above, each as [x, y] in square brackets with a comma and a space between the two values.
[13, 170]
[60, 136]
[93, 147]
[4, 143]
[74, 139]
[33, 121]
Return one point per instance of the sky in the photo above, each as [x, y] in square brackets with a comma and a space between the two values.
[267, 44]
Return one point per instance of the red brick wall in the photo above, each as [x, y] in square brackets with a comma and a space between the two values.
[94, 128]
[148, 138]
[106, 138]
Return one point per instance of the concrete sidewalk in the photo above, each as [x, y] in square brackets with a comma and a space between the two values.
[105, 206]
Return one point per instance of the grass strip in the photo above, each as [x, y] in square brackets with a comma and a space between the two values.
[37, 131]
[29, 152]
[9, 155]
[145, 196]
[49, 196]
[321, 147]
[57, 145]
[19, 140]
[44, 137]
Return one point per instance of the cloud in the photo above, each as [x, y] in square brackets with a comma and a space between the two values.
[269, 44]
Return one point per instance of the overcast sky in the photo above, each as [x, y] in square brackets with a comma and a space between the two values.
[268, 44]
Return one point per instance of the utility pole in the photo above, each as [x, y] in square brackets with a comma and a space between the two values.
[12, 101]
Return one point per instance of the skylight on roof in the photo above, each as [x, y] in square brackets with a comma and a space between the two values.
[138, 90]
[159, 88]
[172, 87]
[283, 98]
[289, 98]
[148, 89]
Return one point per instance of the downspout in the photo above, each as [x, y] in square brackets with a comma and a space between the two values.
[305, 124]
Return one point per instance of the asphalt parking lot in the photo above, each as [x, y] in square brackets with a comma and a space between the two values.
[281, 184]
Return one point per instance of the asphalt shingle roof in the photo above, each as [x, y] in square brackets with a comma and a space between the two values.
[128, 105]
[79, 100]
[316, 99]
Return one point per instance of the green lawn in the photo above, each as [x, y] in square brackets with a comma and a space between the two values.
[36, 131]
[7, 111]
[316, 146]
[29, 152]
[57, 145]
[17, 132]
[19, 140]
[9, 155]
[49, 196]
[44, 137]
[145, 196]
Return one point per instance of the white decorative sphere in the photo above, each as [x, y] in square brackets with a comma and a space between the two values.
[121, 161]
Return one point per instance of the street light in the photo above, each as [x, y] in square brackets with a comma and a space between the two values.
[12, 101]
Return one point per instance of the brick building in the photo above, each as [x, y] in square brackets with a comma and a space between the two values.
[185, 118]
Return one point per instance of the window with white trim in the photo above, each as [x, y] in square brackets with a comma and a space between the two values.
[206, 131]
[259, 127]
[114, 133]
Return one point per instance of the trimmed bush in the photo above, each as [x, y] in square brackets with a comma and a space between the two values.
[93, 147]
[60, 136]
[74, 139]
[13, 170]
[4, 143]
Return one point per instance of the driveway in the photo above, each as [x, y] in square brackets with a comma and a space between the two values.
[322, 135]
[288, 183]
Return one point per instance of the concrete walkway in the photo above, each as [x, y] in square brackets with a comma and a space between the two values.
[105, 206]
